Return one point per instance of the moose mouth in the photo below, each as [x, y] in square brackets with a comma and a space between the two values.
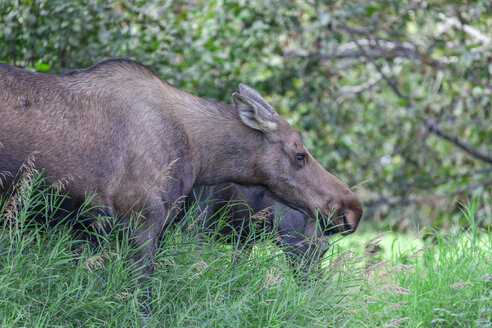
[336, 224]
[333, 223]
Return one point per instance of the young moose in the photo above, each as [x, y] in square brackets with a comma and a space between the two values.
[119, 131]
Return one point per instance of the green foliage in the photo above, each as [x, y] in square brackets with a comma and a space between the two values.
[359, 79]
[58, 35]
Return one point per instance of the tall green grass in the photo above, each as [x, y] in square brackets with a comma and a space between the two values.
[51, 278]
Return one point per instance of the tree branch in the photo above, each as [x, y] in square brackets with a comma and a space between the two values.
[369, 48]
[428, 199]
[470, 30]
[352, 90]
[431, 126]
[373, 49]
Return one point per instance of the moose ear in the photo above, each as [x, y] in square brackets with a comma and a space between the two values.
[253, 114]
[251, 93]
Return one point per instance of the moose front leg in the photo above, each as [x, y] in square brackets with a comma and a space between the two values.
[147, 231]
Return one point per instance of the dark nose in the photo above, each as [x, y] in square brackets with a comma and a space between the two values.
[346, 213]
[351, 214]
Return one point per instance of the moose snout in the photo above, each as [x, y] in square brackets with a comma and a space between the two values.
[346, 214]
[352, 215]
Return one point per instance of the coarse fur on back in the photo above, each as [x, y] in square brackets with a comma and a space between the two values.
[135, 70]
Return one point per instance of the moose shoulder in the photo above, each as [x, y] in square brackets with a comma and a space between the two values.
[122, 133]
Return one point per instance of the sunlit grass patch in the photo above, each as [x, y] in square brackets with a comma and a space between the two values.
[442, 282]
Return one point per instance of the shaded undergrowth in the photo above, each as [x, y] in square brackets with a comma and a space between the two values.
[50, 277]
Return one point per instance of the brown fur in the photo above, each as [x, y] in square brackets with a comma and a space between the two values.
[120, 131]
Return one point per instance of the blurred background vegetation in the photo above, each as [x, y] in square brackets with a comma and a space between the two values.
[394, 97]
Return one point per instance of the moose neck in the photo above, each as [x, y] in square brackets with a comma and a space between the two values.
[225, 149]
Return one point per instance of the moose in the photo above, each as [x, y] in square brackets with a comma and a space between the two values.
[230, 212]
[137, 144]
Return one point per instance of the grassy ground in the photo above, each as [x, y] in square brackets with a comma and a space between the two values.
[48, 278]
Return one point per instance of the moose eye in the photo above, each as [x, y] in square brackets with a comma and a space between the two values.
[300, 157]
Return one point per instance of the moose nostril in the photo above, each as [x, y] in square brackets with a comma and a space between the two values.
[346, 224]
[352, 217]
[347, 212]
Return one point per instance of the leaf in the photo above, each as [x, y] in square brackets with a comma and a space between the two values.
[401, 101]
[42, 67]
